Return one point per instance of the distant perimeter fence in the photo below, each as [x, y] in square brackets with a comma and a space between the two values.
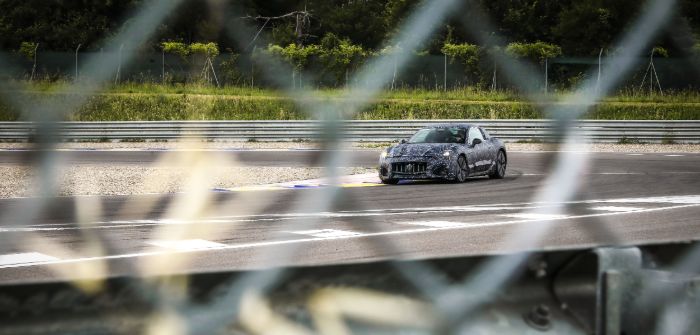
[356, 131]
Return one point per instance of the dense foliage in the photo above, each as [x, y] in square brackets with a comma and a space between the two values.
[322, 42]
[580, 27]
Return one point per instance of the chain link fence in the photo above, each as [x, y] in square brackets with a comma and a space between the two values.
[395, 296]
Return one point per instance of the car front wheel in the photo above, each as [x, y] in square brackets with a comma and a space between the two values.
[462, 169]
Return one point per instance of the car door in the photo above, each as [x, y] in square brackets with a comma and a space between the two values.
[490, 149]
[476, 161]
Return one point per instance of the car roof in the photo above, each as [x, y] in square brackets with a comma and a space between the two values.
[450, 125]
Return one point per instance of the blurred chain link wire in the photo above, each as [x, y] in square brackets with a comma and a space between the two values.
[446, 307]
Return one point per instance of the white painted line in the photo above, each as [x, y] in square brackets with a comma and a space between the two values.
[326, 233]
[25, 258]
[185, 245]
[674, 155]
[231, 219]
[686, 199]
[588, 174]
[536, 216]
[357, 235]
[616, 208]
[435, 224]
[680, 172]
[618, 173]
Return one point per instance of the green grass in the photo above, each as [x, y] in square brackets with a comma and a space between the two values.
[202, 102]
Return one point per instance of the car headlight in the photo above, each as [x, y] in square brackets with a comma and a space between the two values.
[383, 155]
[446, 153]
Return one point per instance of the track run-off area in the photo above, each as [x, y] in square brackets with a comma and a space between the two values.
[622, 199]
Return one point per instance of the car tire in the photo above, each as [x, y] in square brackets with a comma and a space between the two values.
[499, 169]
[462, 172]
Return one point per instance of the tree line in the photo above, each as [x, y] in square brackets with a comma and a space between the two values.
[579, 27]
[333, 38]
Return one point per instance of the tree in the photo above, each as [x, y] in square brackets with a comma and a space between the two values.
[392, 51]
[526, 20]
[362, 22]
[586, 26]
[28, 50]
[297, 56]
[177, 48]
[208, 51]
[340, 56]
[466, 54]
[538, 51]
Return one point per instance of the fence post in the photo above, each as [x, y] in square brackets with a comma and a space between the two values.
[36, 47]
[600, 64]
[546, 76]
[445, 76]
[76, 62]
[119, 65]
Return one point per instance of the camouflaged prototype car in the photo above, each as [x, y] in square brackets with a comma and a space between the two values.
[446, 151]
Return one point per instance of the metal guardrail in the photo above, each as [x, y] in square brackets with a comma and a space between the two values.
[368, 131]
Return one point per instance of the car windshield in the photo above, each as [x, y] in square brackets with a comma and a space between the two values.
[439, 135]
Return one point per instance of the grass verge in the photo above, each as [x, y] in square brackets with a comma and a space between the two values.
[162, 103]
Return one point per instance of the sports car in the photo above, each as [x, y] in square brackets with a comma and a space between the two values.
[452, 151]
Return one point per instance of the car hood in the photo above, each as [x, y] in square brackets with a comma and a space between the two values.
[420, 149]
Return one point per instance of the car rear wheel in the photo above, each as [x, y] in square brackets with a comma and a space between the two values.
[462, 169]
[499, 169]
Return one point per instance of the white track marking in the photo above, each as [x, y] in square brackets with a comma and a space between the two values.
[685, 199]
[185, 245]
[231, 219]
[25, 258]
[590, 174]
[616, 208]
[618, 173]
[260, 218]
[536, 216]
[435, 224]
[358, 235]
[326, 233]
[674, 155]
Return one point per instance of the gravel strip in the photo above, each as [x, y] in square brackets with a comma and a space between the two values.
[17, 181]
[599, 147]
[172, 145]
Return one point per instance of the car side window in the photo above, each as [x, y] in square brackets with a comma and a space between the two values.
[474, 133]
[483, 132]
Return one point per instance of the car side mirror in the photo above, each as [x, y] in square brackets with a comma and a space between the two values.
[476, 141]
[403, 141]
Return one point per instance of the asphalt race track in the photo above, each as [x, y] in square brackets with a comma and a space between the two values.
[623, 199]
